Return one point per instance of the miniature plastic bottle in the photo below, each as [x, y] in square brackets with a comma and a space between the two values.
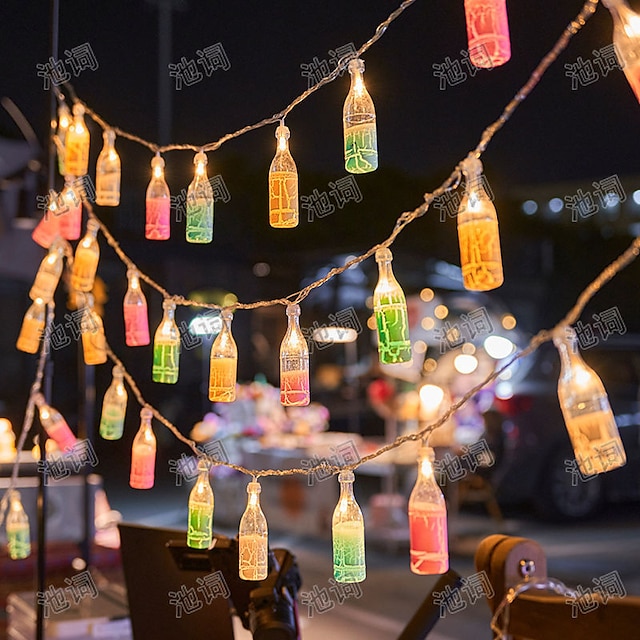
[347, 531]
[626, 40]
[585, 407]
[46, 280]
[7, 441]
[76, 158]
[158, 203]
[359, 123]
[18, 535]
[143, 453]
[70, 213]
[64, 121]
[200, 526]
[94, 346]
[283, 184]
[478, 235]
[253, 538]
[390, 309]
[136, 315]
[108, 172]
[223, 365]
[114, 407]
[48, 229]
[487, 32]
[428, 520]
[54, 424]
[32, 327]
[200, 203]
[85, 263]
[166, 347]
[294, 362]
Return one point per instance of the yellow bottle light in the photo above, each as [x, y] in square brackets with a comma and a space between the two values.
[283, 184]
[478, 235]
[92, 333]
[223, 363]
[49, 272]
[85, 263]
[64, 121]
[108, 172]
[76, 159]
[32, 327]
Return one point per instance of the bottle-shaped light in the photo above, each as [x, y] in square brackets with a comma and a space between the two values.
[478, 234]
[359, 123]
[347, 532]
[200, 203]
[223, 364]
[390, 309]
[294, 362]
[54, 424]
[48, 229]
[76, 147]
[283, 184]
[626, 40]
[487, 32]
[143, 453]
[94, 347]
[428, 520]
[48, 276]
[166, 347]
[64, 122]
[136, 316]
[586, 410]
[108, 172]
[253, 538]
[18, 536]
[7, 441]
[70, 216]
[32, 327]
[158, 203]
[200, 525]
[114, 407]
[85, 263]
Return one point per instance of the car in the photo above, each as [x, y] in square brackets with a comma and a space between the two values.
[537, 462]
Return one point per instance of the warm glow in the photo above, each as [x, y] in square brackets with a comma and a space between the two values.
[426, 467]
[5, 425]
[465, 363]
[430, 397]
[371, 323]
[427, 295]
[498, 347]
[468, 348]
[508, 322]
[632, 26]
[430, 365]
[420, 346]
[441, 312]
[428, 323]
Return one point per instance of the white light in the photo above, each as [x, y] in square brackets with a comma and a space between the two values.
[556, 205]
[498, 347]
[611, 200]
[504, 390]
[529, 207]
[430, 397]
[465, 363]
[206, 325]
[334, 334]
[636, 196]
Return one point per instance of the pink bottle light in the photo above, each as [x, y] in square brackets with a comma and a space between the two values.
[143, 453]
[487, 32]
[136, 317]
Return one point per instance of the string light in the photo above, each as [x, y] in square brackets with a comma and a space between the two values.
[359, 124]
[32, 327]
[143, 453]
[294, 362]
[427, 520]
[92, 333]
[585, 407]
[166, 347]
[253, 538]
[18, 535]
[114, 407]
[48, 229]
[200, 203]
[223, 363]
[108, 172]
[85, 263]
[201, 501]
[54, 424]
[478, 235]
[347, 533]
[8, 450]
[76, 158]
[283, 184]
[487, 32]
[136, 314]
[626, 40]
[49, 272]
[64, 120]
[158, 203]
[71, 214]
[390, 309]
